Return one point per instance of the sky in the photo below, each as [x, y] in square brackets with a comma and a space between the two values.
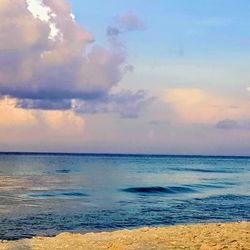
[158, 77]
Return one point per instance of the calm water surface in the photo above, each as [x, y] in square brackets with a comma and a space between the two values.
[46, 194]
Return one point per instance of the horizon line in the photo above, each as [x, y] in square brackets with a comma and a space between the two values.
[119, 154]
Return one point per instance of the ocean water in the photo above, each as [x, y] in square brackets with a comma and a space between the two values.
[44, 194]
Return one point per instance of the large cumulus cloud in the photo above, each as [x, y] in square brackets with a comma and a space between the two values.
[52, 71]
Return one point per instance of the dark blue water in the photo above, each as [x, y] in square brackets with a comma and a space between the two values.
[48, 194]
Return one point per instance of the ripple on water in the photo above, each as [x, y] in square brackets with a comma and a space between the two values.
[203, 170]
[63, 171]
[57, 194]
[159, 190]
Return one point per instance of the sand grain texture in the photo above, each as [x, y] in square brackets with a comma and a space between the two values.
[229, 236]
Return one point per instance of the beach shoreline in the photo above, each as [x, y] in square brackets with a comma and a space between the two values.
[212, 236]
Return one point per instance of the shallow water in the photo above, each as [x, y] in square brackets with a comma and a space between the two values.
[44, 194]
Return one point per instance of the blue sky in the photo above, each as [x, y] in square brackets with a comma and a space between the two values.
[214, 35]
[201, 29]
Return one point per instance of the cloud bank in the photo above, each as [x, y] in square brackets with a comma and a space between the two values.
[229, 124]
[193, 105]
[48, 61]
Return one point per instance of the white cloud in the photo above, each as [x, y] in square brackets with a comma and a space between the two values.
[44, 13]
[50, 73]
[51, 69]
[39, 10]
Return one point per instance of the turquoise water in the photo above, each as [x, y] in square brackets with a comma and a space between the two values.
[44, 194]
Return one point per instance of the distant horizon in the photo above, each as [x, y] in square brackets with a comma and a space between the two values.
[119, 154]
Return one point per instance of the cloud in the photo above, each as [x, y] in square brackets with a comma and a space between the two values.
[229, 124]
[24, 129]
[53, 69]
[42, 12]
[193, 105]
[11, 116]
[113, 31]
[44, 104]
[67, 121]
[125, 103]
[47, 59]
[128, 68]
[129, 21]
[124, 23]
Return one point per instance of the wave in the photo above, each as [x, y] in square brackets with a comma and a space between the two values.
[54, 194]
[159, 190]
[208, 186]
[63, 171]
[201, 170]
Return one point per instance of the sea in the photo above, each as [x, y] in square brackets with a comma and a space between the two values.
[45, 194]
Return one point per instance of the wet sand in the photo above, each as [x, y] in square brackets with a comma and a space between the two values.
[201, 236]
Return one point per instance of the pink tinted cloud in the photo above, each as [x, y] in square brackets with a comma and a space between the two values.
[129, 21]
[123, 23]
[52, 71]
[193, 105]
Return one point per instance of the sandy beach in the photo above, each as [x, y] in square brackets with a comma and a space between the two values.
[200, 236]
